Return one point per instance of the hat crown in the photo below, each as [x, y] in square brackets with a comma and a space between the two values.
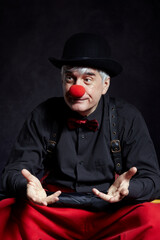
[86, 45]
[88, 50]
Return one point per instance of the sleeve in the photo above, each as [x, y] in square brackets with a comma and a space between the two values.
[28, 152]
[138, 151]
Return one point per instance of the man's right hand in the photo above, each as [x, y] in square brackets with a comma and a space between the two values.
[35, 191]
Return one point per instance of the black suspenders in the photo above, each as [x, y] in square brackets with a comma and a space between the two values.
[115, 142]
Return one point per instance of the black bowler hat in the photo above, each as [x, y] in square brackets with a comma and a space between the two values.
[88, 50]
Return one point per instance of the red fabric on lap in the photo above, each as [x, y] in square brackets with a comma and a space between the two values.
[28, 221]
[8, 226]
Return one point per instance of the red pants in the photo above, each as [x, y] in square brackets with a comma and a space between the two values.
[27, 221]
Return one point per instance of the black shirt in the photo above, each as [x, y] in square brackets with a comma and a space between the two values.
[81, 159]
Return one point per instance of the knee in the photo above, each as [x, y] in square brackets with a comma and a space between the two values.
[149, 214]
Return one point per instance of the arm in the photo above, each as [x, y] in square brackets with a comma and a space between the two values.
[137, 151]
[28, 152]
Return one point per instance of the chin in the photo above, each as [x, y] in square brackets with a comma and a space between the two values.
[78, 109]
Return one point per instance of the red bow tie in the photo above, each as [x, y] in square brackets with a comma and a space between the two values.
[76, 123]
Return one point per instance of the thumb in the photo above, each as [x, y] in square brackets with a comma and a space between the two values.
[130, 173]
[28, 176]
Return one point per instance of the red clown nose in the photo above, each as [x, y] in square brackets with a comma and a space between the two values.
[77, 91]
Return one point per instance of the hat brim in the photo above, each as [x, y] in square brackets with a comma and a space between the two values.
[109, 66]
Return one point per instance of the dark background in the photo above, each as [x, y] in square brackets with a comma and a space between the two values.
[33, 30]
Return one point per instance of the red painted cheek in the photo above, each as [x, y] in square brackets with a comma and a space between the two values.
[77, 91]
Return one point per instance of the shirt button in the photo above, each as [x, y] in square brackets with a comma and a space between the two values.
[83, 136]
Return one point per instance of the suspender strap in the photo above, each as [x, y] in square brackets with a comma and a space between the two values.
[50, 145]
[53, 137]
[115, 143]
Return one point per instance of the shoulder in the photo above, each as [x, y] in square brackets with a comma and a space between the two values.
[50, 106]
[48, 111]
[129, 116]
[126, 110]
[54, 102]
[130, 119]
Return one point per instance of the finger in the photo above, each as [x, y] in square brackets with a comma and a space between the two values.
[118, 196]
[105, 197]
[121, 187]
[53, 198]
[27, 175]
[130, 173]
[48, 200]
[113, 189]
[124, 192]
[125, 176]
[110, 198]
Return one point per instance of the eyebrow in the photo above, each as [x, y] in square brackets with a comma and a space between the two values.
[85, 73]
[89, 73]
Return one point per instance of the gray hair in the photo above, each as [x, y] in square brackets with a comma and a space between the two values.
[82, 70]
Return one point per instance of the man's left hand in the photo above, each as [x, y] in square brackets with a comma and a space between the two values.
[119, 189]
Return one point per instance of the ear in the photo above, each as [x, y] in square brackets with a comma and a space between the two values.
[106, 85]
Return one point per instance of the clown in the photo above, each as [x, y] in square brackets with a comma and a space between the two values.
[58, 176]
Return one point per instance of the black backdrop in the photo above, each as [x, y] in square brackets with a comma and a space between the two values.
[33, 30]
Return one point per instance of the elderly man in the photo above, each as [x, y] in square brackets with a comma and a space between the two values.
[83, 166]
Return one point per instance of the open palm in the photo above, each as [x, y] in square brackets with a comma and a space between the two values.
[35, 191]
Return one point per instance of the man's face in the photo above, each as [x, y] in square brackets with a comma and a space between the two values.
[94, 89]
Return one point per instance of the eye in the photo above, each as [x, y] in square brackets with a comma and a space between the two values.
[69, 78]
[88, 80]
